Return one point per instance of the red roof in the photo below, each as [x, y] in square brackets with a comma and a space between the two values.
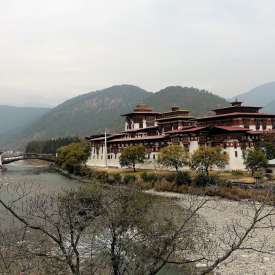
[180, 130]
[196, 129]
[139, 138]
[257, 132]
[231, 128]
[142, 113]
[140, 129]
[103, 137]
[237, 114]
[190, 130]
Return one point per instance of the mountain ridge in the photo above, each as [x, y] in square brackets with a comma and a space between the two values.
[16, 117]
[261, 95]
[94, 111]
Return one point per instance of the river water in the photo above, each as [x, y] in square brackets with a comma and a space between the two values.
[38, 176]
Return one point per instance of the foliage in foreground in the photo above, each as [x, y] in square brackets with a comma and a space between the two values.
[120, 231]
[94, 231]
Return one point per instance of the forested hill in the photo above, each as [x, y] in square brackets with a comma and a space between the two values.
[198, 102]
[83, 115]
[93, 112]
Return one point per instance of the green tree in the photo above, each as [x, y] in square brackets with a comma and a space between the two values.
[174, 156]
[255, 160]
[205, 158]
[132, 155]
[72, 157]
[49, 146]
[269, 148]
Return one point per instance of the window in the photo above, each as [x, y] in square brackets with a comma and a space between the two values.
[236, 154]
[258, 123]
[246, 123]
[264, 124]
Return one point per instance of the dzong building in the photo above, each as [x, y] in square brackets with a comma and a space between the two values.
[234, 129]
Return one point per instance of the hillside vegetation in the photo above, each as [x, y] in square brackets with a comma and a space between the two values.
[93, 112]
[198, 102]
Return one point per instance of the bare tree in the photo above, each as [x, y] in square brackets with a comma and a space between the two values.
[123, 231]
[60, 223]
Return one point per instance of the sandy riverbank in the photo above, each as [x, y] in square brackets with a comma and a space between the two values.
[221, 212]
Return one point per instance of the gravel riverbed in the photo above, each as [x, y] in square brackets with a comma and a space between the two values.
[220, 213]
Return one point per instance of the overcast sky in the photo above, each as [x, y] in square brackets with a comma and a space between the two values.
[51, 50]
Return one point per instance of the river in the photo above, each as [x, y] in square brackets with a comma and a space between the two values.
[35, 175]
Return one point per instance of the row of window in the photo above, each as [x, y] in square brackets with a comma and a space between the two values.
[114, 156]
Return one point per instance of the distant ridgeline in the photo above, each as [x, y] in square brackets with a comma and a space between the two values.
[49, 146]
[94, 112]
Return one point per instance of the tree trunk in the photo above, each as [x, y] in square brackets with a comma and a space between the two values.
[115, 264]
[207, 171]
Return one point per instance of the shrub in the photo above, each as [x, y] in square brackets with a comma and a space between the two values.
[140, 183]
[170, 177]
[85, 171]
[164, 185]
[203, 180]
[237, 173]
[129, 179]
[183, 178]
[117, 178]
[101, 176]
[111, 179]
[148, 177]
[75, 169]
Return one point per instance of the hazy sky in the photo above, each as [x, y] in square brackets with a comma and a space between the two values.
[51, 50]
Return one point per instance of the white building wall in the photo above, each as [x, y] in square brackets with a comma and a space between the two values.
[194, 145]
[236, 160]
[113, 160]
[144, 123]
